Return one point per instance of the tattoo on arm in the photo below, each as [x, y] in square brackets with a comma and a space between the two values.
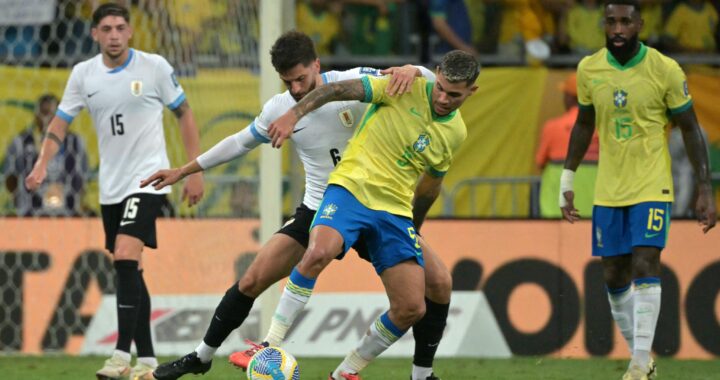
[181, 109]
[694, 144]
[51, 136]
[344, 90]
[580, 138]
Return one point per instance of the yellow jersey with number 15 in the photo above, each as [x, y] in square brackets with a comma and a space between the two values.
[632, 103]
[399, 138]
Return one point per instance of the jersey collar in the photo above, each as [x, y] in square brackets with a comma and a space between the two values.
[632, 62]
[436, 117]
[124, 65]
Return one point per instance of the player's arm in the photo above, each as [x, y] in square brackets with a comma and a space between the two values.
[51, 144]
[193, 189]
[281, 129]
[426, 192]
[403, 77]
[580, 140]
[696, 148]
[228, 149]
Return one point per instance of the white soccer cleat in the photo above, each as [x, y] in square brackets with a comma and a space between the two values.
[114, 368]
[142, 371]
[636, 372]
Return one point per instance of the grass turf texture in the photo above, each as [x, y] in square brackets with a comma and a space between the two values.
[72, 367]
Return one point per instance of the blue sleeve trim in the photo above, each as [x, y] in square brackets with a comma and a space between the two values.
[682, 108]
[301, 281]
[324, 78]
[257, 134]
[435, 173]
[177, 102]
[618, 290]
[368, 89]
[64, 116]
[646, 281]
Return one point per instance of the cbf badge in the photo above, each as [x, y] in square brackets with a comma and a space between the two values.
[346, 117]
[136, 87]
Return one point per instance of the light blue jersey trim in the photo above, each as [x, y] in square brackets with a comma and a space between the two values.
[124, 65]
[69, 119]
[324, 78]
[257, 134]
[368, 89]
[177, 102]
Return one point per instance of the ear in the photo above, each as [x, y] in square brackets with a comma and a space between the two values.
[473, 89]
[93, 33]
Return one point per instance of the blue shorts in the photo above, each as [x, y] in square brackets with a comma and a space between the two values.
[616, 230]
[390, 239]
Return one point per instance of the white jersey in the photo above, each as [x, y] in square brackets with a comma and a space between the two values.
[321, 136]
[126, 105]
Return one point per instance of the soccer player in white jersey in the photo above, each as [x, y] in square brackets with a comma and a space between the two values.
[320, 149]
[125, 91]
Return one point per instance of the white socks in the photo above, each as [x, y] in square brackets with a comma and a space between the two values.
[296, 294]
[421, 373]
[646, 312]
[621, 307]
[204, 352]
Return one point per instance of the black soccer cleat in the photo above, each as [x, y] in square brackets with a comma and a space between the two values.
[431, 377]
[189, 363]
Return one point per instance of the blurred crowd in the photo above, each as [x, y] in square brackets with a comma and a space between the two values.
[225, 32]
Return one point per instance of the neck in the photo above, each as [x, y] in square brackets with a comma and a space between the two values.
[117, 61]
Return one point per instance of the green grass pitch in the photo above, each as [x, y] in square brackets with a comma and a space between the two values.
[14, 367]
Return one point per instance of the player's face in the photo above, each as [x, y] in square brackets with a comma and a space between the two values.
[301, 79]
[45, 113]
[622, 26]
[447, 96]
[112, 34]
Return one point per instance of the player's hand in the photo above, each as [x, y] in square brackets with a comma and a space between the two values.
[282, 128]
[569, 212]
[36, 177]
[162, 178]
[401, 79]
[193, 189]
[705, 208]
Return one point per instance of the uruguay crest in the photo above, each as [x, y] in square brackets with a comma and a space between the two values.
[346, 118]
[421, 143]
[136, 87]
[620, 98]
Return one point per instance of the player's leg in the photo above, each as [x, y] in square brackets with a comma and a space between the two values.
[407, 305]
[612, 243]
[429, 330]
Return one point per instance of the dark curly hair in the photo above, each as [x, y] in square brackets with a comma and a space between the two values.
[291, 49]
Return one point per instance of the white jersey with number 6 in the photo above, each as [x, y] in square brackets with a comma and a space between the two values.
[126, 105]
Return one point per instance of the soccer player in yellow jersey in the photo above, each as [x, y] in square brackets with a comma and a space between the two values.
[402, 141]
[631, 92]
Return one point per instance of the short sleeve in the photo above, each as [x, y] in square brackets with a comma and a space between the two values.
[584, 96]
[170, 91]
[677, 96]
[375, 89]
[72, 101]
[272, 109]
[355, 73]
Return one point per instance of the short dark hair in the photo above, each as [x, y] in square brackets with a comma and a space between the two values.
[633, 3]
[291, 49]
[46, 98]
[109, 9]
[459, 66]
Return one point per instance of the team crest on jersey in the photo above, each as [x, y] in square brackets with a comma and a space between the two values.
[346, 118]
[620, 98]
[421, 143]
[328, 211]
[136, 87]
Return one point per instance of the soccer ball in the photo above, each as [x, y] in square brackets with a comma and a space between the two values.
[273, 363]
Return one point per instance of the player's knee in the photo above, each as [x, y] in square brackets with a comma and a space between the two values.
[124, 252]
[251, 284]
[438, 286]
[409, 313]
[317, 258]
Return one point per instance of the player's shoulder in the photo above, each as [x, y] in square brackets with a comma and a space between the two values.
[590, 61]
[354, 73]
[278, 104]
[658, 59]
[153, 59]
[88, 64]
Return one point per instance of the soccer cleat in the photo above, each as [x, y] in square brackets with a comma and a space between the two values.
[431, 377]
[241, 359]
[114, 368]
[142, 371]
[345, 376]
[189, 363]
[636, 372]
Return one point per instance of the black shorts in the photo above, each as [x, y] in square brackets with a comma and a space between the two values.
[298, 228]
[134, 216]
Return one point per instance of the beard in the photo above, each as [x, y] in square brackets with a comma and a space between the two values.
[625, 51]
[298, 97]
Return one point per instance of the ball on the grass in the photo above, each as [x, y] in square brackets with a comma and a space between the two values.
[273, 363]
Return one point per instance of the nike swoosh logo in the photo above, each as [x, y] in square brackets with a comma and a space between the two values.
[298, 130]
[648, 236]
[91, 95]
[126, 222]
[415, 112]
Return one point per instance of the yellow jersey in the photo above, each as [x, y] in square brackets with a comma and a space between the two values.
[693, 28]
[399, 138]
[632, 104]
